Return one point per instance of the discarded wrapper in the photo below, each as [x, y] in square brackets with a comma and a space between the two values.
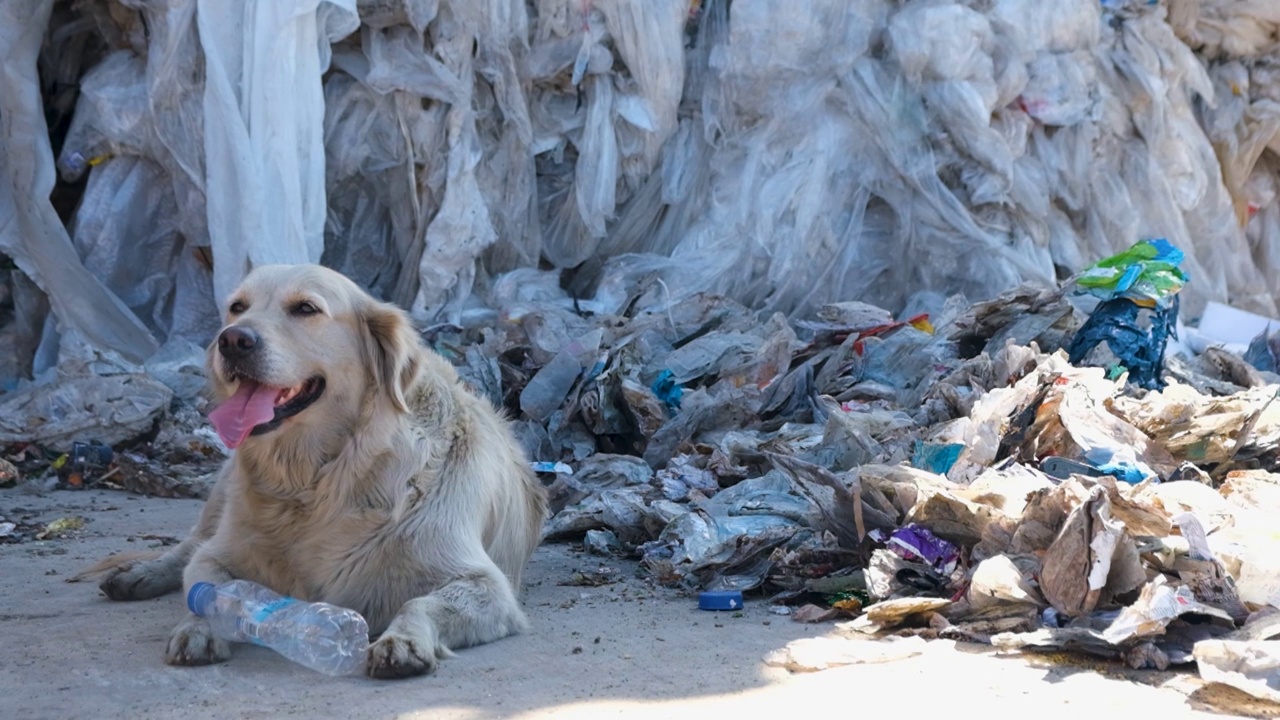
[914, 542]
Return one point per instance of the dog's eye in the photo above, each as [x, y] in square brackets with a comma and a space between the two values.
[237, 307]
[305, 308]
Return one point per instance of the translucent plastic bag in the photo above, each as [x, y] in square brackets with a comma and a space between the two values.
[31, 232]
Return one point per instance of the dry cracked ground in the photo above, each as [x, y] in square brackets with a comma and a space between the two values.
[622, 649]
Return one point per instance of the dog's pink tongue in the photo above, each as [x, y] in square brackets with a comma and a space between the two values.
[252, 405]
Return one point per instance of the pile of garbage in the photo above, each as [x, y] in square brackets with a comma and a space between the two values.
[1034, 471]
[889, 152]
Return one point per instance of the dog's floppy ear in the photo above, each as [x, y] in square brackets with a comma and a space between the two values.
[392, 346]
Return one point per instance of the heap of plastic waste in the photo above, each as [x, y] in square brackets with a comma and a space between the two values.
[891, 152]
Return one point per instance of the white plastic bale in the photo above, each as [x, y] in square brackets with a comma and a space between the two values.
[507, 174]
[1243, 127]
[1227, 28]
[140, 220]
[461, 230]
[595, 182]
[263, 115]
[1214, 234]
[442, 178]
[399, 62]
[793, 223]
[127, 231]
[941, 41]
[630, 112]
[30, 231]
[1240, 39]
[776, 159]
[1059, 88]
[22, 337]
[777, 203]
[1263, 229]
[362, 157]
[1040, 27]
[175, 101]
[649, 39]
[382, 181]
[389, 13]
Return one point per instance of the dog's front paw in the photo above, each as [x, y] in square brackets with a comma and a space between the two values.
[193, 643]
[140, 581]
[395, 656]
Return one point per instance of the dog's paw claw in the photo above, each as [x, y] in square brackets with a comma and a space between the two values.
[394, 657]
[137, 581]
[193, 644]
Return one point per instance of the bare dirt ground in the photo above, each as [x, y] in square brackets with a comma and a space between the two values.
[624, 649]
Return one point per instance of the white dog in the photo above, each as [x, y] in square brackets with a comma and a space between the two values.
[364, 474]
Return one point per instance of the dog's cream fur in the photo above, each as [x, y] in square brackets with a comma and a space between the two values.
[398, 493]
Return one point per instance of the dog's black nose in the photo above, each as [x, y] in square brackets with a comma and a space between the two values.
[237, 343]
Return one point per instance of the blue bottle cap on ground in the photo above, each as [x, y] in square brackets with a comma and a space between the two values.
[720, 600]
[196, 596]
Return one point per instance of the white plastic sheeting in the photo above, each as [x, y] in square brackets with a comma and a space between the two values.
[263, 111]
[786, 155]
[30, 231]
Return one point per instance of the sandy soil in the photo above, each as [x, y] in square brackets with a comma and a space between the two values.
[625, 649]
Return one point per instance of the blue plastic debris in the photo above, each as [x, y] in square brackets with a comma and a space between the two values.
[1136, 337]
[720, 600]
[551, 467]
[1264, 352]
[1063, 468]
[668, 391]
[1125, 472]
[595, 370]
[937, 458]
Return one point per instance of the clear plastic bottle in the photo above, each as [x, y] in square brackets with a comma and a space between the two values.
[320, 636]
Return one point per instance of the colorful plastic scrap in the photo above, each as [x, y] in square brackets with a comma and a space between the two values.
[918, 544]
[1146, 274]
[1129, 330]
[936, 457]
[668, 391]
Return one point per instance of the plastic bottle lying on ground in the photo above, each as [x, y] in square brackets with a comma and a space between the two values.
[320, 636]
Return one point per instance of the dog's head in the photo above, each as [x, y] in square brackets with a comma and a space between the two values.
[303, 350]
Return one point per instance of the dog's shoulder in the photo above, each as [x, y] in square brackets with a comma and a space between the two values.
[444, 409]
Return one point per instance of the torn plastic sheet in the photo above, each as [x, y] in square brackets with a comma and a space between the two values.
[107, 408]
[821, 653]
[1122, 336]
[31, 232]
[1157, 606]
[1253, 667]
[717, 552]
[262, 123]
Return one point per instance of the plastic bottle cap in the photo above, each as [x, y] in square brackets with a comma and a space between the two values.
[200, 595]
[720, 600]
